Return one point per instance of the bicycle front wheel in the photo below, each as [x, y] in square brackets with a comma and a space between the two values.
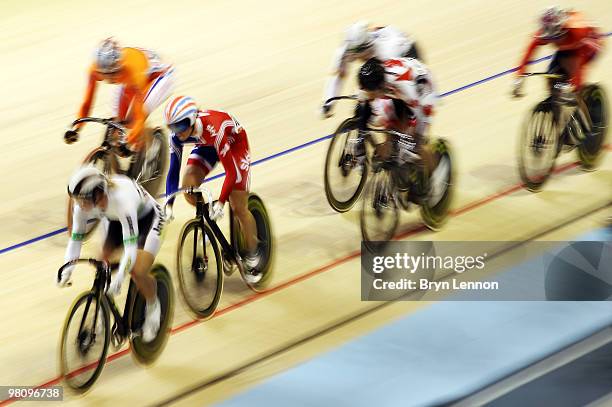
[84, 342]
[380, 213]
[539, 147]
[344, 177]
[200, 269]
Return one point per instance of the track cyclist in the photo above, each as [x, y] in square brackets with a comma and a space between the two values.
[399, 94]
[362, 43]
[132, 219]
[217, 136]
[145, 83]
[577, 42]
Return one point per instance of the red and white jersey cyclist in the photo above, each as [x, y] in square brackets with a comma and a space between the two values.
[222, 131]
[410, 81]
[217, 129]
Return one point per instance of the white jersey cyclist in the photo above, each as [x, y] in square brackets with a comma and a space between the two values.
[131, 211]
[132, 219]
[361, 44]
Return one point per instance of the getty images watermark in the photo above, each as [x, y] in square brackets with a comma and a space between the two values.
[521, 271]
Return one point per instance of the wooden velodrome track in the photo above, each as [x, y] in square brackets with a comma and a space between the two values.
[266, 62]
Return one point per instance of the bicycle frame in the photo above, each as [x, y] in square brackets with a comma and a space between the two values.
[564, 112]
[403, 138]
[111, 127]
[109, 144]
[203, 214]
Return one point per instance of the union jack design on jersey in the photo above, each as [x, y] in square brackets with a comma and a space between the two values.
[212, 129]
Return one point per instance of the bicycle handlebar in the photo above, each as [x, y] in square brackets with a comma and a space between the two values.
[106, 122]
[543, 74]
[98, 264]
[190, 190]
[351, 97]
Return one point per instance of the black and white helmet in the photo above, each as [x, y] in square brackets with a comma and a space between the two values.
[86, 181]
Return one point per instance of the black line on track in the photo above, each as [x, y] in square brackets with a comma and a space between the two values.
[356, 316]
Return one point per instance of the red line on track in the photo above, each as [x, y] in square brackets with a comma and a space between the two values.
[411, 232]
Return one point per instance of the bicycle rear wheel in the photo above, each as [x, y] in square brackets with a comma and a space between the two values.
[265, 239]
[538, 147]
[434, 210]
[589, 151]
[200, 269]
[150, 165]
[148, 352]
[344, 179]
[84, 342]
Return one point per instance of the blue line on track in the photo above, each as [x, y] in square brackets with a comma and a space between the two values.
[33, 240]
[301, 146]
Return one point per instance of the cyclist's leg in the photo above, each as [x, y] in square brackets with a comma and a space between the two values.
[423, 115]
[383, 114]
[574, 64]
[159, 89]
[141, 276]
[121, 103]
[557, 63]
[413, 52]
[150, 227]
[201, 161]
[239, 198]
[113, 238]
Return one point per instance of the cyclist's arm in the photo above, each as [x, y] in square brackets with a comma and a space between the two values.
[530, 50]
[79, 224]
[89, 96]
[230, 165]
[176, 153]
[339, 65]
[138, 119]
[129, 226]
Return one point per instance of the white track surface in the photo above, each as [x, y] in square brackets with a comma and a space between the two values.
[265, 62]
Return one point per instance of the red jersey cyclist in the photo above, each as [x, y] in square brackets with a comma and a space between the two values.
[577, 42]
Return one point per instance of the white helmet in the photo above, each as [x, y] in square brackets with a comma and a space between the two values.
[108, 56]
[551, 22]
[86, 181]
[357, 36]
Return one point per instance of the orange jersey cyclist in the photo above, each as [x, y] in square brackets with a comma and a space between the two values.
[144, 84]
